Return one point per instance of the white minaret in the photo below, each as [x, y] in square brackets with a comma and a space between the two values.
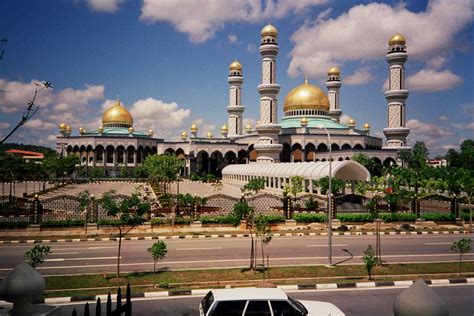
[333, 84]
[396, 95]
[235, 108]
[268, 149]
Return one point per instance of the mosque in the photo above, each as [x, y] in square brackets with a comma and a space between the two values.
[309, 131]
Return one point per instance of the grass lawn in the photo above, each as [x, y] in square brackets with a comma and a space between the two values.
[142, 282]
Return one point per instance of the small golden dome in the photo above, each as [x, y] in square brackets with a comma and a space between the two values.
[194, 128]
[68, 129]
[82, 130]
[306, 97]
[150, 132]
[397, 39]
[62, 126]
[269, 30]
[248, 128]
[131, 130]
[101, 129]
[184, 134]
[351, 122]
[224, 128]
[117, 114]
[334, 71]
[235, 66]
[366, 126]
[209, 135]
[304, 121]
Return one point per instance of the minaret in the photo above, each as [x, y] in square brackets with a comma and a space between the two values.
[333, 84]
[268, 149]
[396, 95]
[235, 108]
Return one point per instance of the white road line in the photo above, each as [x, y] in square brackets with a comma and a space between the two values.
[63, 253]
[209, 248]
[338, 245]
[95, 248]
[438, 243]
[80, 259]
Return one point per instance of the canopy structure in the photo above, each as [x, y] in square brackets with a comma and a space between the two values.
[277, 175]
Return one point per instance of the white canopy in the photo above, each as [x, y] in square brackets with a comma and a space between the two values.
[345, 170]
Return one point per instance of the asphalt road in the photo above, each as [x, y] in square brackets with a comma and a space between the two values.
[99, 257]
[379, 301]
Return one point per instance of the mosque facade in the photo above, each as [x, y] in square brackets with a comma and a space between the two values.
[309, 131]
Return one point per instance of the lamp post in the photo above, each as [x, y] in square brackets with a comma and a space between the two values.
[329, 195]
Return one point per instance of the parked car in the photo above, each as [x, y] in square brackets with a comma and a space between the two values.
[261, 302]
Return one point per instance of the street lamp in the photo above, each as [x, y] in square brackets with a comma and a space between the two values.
[330, 195]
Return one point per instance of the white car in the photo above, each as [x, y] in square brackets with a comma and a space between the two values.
[261, 302]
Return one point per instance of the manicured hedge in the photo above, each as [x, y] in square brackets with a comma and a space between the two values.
[356, 218]
[63, 223]
[227, 219]
[439, 217]
[15, 224]
[309, 218]
[109, 222]
[397, 217]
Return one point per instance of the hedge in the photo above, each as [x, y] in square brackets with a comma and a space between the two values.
[63, 223]
[110, 222]
[14, 224]
[365, 217]
[310, 218]
[439, 217]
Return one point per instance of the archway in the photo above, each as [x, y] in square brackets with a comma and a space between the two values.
[310, 150]
[297, 152]
[202, 162]
[242, 155]
[216, 163]
[286, 153]
[109, 155]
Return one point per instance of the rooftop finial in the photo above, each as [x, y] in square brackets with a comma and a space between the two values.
[305, 79]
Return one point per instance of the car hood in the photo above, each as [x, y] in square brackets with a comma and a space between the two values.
[316, 308]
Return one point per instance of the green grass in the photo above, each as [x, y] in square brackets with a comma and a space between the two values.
[279, 275]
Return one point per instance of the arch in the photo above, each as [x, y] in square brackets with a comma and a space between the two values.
[358, 147]
[389, 162]
[99, 154]
[334, 147]
[216, 163]
[146, 152]
[130, 154]
[310, 151]
[252, 153]
[154, 150]
[348, 158]
[120, 154]
[340, 159]
[242, 156]
[140, 154]
[230, 158]
[322, 147]
[297, 152]
[285, 153]
[346, 147]
[169, 151]
[202, 162]
[376, 160]
[109, 154]
[180, 153]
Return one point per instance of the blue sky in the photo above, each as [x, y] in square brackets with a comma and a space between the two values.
[168, 61]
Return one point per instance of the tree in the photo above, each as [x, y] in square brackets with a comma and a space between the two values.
[130, 213]
[36, 255]
[294, 187]
[163, 168]
[86, 199]
[370, 260]
[158, 252]
[374, 167]
[323, 183]
[461, 247]
[243, 211]
[253, 186]
[264, 233]
[416, 161]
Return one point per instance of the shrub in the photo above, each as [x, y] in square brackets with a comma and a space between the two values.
[194, 177]
[110, 222]
[166, 200]
[398, 217]
[63, 223]
[439, 217]
[363, 217]
[310, 218]
[273, 219]
[15, 224]
[226, 219]
[311, 203]
[161, 221]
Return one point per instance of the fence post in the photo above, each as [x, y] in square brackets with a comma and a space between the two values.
[128, 303]
[333, 207]
[453, 206]
[119, 298]
[109, 305]
[86, 310]
[98, 308]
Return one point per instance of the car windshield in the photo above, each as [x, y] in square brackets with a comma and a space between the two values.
[298, 305]
[207, 302]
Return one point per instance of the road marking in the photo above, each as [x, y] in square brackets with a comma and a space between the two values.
[95, 248]
[210, 248]
[63, 253]
[438, 243]
[79, 259]
[338, 245]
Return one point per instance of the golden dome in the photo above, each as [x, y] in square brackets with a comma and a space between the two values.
[224, 128]
[101, 129]
[82, 130]
[131, 130]
[304, 121]
[184, 135]
[334, 71]
[397, 39]
[117, 115]
[269, 30]
[306, 97]
[209, 135]
[248, 128]
[194, 128]
[235, 66]
[62, 126]
[351, 122]
[68, 128]
[366, 126]
[150, 132]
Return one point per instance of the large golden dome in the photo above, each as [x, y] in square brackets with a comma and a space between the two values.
[269, 30]
[306, 97]
[117, 116]
[235, 66]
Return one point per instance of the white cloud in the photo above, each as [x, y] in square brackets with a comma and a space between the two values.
[108, 6]
[16, 95]
[432, 80]
[4, 125]
[470, 126]
[443, 118]
[51, 138]
[232, 38]
[164, 118]
[71, 99]
[251, 47]
[433, 135]
[202, 19]
[344, 119]
[38, 124]
[436, 62]
[362, 33]
[359, 77]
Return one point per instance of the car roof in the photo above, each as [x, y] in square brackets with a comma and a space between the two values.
[249, 294]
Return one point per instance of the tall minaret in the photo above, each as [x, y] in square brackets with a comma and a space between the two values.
[268, 149]
[235, 108]
[396, 95]
[333, 84]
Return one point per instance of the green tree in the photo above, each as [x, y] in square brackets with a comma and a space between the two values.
[461, 247]
[416, 161]
[130, 213]
[370, 260]
[253, 186]
[158, 252]
[163, 168]
[243, 211]
[264, 234]
[35, 255]
[323, 183]
[373, 166]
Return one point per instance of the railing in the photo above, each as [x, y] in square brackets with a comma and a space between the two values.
[120, 309]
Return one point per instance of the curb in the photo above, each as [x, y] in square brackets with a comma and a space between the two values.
[286, 288]
[195, 236]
